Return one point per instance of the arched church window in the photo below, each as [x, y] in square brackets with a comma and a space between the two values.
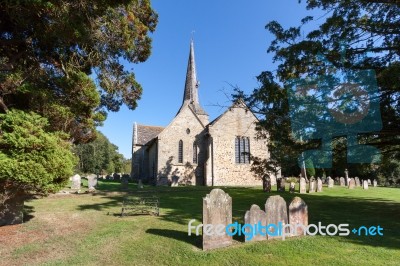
[195, 152]
[180, 152]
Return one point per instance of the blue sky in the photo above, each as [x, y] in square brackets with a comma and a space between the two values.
[230, 49]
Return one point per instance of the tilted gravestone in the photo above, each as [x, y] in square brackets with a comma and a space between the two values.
[365, 184]
[255, 216]
[342, 182]
[292, 187]
[76, 182]
[217, 210]
[92, 181]
[352, 183]
[280, 185]
[357, 180]
[276, 210]
[331, 182]
[375, 183]
[319, 185]
[303, 185]
[311, 188]
[298, 215]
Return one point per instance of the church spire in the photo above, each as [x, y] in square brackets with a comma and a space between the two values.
[191, 84]
[190, 94]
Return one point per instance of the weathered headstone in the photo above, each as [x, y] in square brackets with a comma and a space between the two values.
[375, 183]
[319, 185]
[365, 184]
[323, 180]
[337, 181]
[352, 183]
[346, 177]
[311, 188]
[125, 182]
[303, 185]
[292, 187]
[276, 210]
[298, 215]
[217, 211]
[369, 181]
[357, 180]
[342, 182]
[267, 184]
[331, 182]
[76, 182]
[281, 185]
[92, 181]
[255, 216]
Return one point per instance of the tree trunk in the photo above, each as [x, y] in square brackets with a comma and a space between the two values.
[11, 205]
[3, 105]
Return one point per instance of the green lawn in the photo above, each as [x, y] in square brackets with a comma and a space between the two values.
[84, 229]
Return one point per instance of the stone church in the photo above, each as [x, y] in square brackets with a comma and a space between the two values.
[191, 150]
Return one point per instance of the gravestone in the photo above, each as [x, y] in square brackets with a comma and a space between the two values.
[303, 185]
[323, 180]
[341, 182]
[76, 182]
[352, 183]
[331, 182]
[276, 210]
[375, 183]
[319, 185]
[298, 214]
[365, 184]
[281, 185]
[346, 177]
[267, 184]
[369, 181]
[337, 181]
[292, 187]
[217, 210]
[357, 180]
[117, 176]
[254, 216]
[125, 182]
[311, 188]
[92, 181]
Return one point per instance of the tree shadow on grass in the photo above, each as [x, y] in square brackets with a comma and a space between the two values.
[177, 235]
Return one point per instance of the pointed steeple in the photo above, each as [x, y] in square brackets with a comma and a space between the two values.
[190, 95]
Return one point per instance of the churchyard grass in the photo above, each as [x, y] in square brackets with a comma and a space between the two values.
[86, 229]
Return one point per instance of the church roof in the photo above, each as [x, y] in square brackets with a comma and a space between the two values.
[239, 103]
[147, 133]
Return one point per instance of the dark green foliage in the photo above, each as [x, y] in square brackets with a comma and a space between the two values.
[100, 157]
[49, 48]
[369, 32]
[33, 161]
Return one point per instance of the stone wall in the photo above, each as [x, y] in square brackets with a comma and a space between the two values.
[221, 167]
[186, 127]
